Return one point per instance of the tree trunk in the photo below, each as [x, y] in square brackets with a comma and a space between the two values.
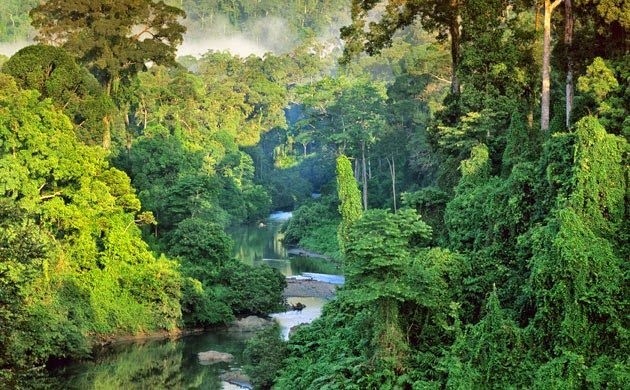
[568, 42]
[364, 177]
[107, 133]
[392, 348]
[454, 30]
[546, 66]
[392, 172]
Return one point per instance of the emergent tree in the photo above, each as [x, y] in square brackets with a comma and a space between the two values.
[113, 39]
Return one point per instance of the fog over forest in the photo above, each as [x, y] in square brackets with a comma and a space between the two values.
[257, 37]
[9, 48]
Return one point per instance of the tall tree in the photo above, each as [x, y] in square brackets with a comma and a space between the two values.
[350, 207]
[549, 7]
[568, 42]
[444, 17]
[56, 75]
[114, 39]
[359, 123]
[380, 252]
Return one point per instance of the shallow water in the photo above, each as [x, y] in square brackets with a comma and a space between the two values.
[152, 364]
[256, 244]
[289, 319]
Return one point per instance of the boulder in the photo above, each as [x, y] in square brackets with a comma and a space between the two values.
[250, 324]
[211, 357]
[237, 377]
[298, 306]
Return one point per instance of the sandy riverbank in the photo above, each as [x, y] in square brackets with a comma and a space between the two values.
[298, 287]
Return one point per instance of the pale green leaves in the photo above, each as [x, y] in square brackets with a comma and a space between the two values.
[598, 81]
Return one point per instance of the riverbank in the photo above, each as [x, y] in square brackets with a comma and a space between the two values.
[296, 287]
[113, 340]
[305, 253]
[305, 287]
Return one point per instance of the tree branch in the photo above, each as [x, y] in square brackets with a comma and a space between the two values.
[50, 196]
[146, 30]
[439, 78]
[555, 4]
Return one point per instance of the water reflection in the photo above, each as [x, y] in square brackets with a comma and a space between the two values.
[155, 364]
[253, 243]
[256, 244]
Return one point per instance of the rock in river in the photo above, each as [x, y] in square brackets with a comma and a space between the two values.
[250, 324]
[210, 357]
[238, 378]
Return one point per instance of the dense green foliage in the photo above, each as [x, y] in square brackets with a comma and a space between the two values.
[480, 249]
[535, 298]
[113, 40]
[349, 200]
[315, 226]
[56, 75]
[80, 255]
[74, 263]
[524, 281]
[264, 355]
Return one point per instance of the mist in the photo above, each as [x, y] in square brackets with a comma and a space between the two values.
[256, 37]
[10, 48]
[236, 45]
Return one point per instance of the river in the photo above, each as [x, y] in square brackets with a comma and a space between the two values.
[256, 244]
[173, 364]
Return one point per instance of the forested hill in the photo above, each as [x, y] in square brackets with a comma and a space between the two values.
[466, 163]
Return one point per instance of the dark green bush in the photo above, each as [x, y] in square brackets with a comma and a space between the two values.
[264, 356]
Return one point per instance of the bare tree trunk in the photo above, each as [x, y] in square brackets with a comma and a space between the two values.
[392, 172]
[568, 42]
[546, 66]
[454, 30]
[107, 133]
[145, 114]
[364, 177]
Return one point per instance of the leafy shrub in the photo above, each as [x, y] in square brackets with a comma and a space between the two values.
[251, 290]
[201, 307]
[264, 355]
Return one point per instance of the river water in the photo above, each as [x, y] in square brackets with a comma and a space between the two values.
[173, 364]
[257, 244]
